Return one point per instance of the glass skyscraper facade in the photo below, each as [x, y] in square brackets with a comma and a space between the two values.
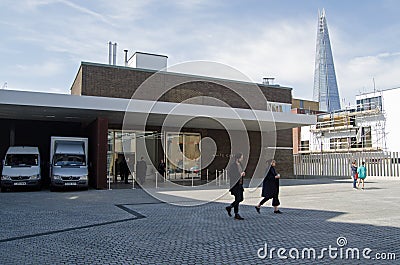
[325, 85]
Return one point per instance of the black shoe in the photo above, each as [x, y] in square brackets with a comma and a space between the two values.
[257, 209]
[238, 217]
[228, 209]
[277, 211]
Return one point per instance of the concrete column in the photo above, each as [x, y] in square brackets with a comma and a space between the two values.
[97, 132]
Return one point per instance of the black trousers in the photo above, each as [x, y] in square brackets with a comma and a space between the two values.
[275, 200]
[235, 204]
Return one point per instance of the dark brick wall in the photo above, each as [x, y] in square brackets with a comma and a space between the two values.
[284, 138]
[283, 156]
[122, 82]
[284, 163]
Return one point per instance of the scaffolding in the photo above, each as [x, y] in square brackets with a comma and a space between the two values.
[354, 129]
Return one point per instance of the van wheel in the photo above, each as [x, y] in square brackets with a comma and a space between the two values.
[52, 189]
[3, 189]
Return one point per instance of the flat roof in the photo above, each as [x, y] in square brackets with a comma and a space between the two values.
[148, 53]
[376, 91]
[205, 78]
[24, 105]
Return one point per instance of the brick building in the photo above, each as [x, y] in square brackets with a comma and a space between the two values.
[102, 95]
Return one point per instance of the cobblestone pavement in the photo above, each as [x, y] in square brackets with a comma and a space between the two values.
[129, 227]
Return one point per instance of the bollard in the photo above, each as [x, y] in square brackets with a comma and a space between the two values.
[226, 176]
[223, 175]
[156, 180]
[133, 180]
[207, 176]
[192, 181]
[109, 182]
[216, 178]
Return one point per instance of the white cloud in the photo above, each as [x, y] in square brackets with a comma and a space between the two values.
[259, 47]
[85, 10]
[46, 69]
[357, 73]
[283, 49]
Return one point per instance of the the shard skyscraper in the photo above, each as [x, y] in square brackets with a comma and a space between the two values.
[325, 85]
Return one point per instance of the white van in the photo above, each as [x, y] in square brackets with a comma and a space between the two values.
[21, 167]
[69, 162]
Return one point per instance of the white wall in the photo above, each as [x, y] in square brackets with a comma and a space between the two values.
[148, 61]
[391, 106]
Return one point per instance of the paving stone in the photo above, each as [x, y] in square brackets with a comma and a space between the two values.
[129, 227]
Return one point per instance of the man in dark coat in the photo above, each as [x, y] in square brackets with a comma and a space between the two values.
[270, 189]
[236, 174]
[141, 168]
[124, 169]
[161, 168]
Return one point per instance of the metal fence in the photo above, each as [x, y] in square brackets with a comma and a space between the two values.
[339, 164]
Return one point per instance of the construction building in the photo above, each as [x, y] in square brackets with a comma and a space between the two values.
[365, 132]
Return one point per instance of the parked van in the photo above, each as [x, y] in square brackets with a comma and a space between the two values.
[68, 162]
[21, 167]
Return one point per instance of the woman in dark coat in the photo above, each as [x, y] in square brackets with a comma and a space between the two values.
[236, 174]
[270, 188]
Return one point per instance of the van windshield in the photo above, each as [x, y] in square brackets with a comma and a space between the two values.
[69, 160]
[22, 160]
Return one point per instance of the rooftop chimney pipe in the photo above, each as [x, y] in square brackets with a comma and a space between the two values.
[109, 52]
[126, 57]
[115, 54]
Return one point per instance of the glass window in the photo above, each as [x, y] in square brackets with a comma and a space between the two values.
[305, 146]
[15, 160]
[183, 155]
[69, 160]
[126, 148]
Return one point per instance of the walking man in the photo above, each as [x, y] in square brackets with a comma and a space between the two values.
[236, 174]
[141, 169]
[270, 189]
[161, 168]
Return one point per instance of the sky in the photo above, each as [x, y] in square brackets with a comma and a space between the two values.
[44, 41]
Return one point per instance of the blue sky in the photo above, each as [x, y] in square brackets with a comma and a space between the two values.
[44, 41]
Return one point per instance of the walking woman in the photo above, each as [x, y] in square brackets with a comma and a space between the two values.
[362, 174]
[354, 174]
[236, 174]
[270, 189]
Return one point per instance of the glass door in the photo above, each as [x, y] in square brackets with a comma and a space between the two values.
[174, 156]
[125, 150]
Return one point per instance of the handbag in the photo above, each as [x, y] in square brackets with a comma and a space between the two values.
[356, 176]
